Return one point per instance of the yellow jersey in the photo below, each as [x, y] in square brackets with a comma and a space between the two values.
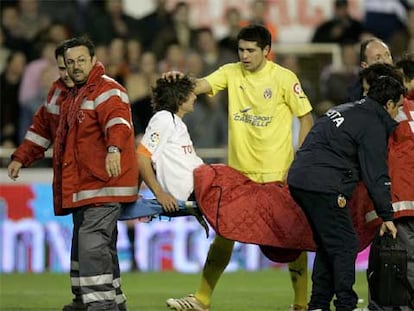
[260, 113]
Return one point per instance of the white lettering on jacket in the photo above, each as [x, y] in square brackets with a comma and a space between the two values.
[335, 117]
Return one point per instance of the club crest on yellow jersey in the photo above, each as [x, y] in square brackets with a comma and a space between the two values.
[267, 94]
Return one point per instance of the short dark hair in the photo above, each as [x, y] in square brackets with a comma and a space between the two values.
[256, 33]
[373, 72]
[60, 49]
[170, 94]
[341, 3]
[386, 88]
[363, 48]
[81, 41]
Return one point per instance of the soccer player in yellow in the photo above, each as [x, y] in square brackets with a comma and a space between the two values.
[263, 98]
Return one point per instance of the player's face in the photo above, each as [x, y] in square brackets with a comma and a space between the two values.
[252, 57]
[187, 106]
[63, 73]
[393, 108]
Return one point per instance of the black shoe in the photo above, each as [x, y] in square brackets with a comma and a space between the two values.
[75, 306]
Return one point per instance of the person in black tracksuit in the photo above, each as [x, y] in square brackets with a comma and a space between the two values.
[345, 145]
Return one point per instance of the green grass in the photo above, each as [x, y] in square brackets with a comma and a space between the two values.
[240, 291]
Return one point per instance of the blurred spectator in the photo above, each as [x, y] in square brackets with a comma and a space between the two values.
[31, 22]
[402, 40]
[213, 56]
[117, 66]
[138, 85]
[102, 54]
[259, 11]
[233, 20]
[111, 23]
[10, 80]
[174, 58]
[385, 18]
[178, 31]
[33, 88]
[333, 80]
[56, 32]
[341, 28]
[4, 50]
[207, 124]
[133, 54]
[195, 64]
[154, 22]
[9, 22]
[74, 14]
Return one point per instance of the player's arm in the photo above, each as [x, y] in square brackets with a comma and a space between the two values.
[306, 123]
[202, 86]
[146, 172]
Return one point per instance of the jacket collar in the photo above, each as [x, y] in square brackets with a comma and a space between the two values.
[61, 85]
[96, 72]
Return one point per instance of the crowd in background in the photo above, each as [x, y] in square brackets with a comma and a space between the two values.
[135, 51]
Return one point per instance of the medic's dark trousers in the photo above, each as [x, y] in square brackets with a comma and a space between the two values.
[95, 274]
[337, 249]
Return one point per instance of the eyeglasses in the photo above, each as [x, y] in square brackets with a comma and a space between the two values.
[81, 61]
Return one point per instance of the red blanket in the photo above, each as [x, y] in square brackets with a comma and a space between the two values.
[265, 214]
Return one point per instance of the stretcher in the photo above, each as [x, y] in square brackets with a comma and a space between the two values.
[148, 209]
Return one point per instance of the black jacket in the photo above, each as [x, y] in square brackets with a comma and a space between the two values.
[346, 144]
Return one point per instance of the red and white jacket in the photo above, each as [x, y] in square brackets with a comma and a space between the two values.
[98, 115]
[81, 123]
[401, 164]
[42, 132]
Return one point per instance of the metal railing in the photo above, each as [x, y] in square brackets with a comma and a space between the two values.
[205, 153]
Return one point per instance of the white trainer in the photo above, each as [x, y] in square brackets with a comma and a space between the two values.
[189, 303]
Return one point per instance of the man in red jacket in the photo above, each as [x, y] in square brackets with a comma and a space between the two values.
[95, 170]
[401, 171]
[41, 134]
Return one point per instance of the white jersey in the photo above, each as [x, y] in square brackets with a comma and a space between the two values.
[172, 153]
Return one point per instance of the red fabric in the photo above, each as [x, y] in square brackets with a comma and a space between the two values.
[87, 132]
[44, 124]
[401, 165]
[264, 214]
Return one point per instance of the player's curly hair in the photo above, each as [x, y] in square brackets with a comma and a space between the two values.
[170, 94]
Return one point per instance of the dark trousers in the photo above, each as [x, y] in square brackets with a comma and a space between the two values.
[337, 249]
[95, 273]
